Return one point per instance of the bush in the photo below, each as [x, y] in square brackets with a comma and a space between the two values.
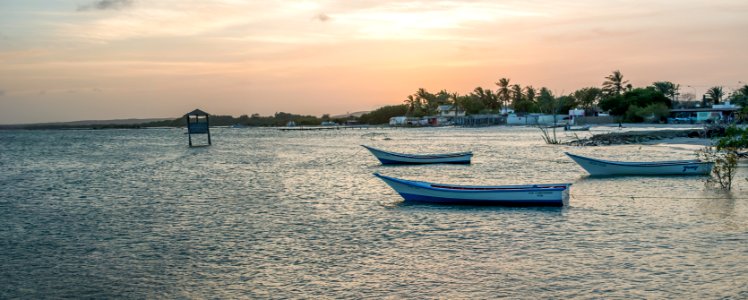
[639, 97]
[725, 156]
[383, 114]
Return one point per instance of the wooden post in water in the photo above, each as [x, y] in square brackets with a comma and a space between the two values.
[197, 123]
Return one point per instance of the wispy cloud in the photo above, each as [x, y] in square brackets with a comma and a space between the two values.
[106, 5]
[322, 17]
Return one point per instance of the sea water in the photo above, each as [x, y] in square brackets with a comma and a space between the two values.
[265, 213]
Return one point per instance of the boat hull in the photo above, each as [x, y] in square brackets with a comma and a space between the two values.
[577, 128]
[597, 167]
[516, 195]
[392, 158]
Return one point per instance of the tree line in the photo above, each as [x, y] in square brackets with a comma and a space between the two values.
[615, 95]
[278, 119]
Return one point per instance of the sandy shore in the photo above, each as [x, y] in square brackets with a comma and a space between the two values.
[645, 134]
[681, 141]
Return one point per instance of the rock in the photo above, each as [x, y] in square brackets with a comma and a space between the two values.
[634, 137]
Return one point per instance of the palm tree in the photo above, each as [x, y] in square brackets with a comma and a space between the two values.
[427, 99]
[667, 88]
[530, 94]
[614, 83]
[716, 94]
[743, 90]
[481, 94]
[486, 97]
[413, 103]
[455, 102]
[503, 91]
[546, 101]
[492, 99]
[518, 98]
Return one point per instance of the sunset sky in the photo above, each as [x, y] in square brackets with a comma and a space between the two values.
[107, 59]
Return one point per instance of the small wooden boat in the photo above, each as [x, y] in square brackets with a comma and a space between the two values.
[676, 167]
[400, 158]
[577, 128]
[511, 195]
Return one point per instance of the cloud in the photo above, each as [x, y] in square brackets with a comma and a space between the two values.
[2, 92]
[322, 17]
[106, 4]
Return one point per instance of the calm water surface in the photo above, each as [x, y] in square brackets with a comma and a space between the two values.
[270, 214]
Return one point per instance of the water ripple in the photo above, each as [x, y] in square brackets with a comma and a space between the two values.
[270, 214]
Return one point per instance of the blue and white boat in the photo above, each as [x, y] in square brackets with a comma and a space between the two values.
[388, 158]
[512, 195]
[599, 167]
[577, 128]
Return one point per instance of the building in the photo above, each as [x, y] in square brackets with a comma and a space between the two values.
[717, 113]
[398, 121]
[479, 120]
[449, 111]
[536, 119]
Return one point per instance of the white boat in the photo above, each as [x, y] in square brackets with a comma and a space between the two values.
[674, 167]
[513, 195]
[387, 158]
[577, 128]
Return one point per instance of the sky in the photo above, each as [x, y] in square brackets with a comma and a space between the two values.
[65, 60]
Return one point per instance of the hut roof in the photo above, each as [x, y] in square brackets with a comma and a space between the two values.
[196, 112]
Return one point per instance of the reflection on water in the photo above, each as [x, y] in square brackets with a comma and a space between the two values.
[270, 214]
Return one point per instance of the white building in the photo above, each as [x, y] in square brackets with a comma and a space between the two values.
[535, 119]
[398, 121]
[449, 111]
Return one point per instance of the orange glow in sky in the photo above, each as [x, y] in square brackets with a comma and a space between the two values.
[107, 59]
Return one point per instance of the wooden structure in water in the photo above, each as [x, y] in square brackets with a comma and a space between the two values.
[197, 123]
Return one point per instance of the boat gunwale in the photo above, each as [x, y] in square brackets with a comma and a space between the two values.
[421, 156]
[642, 164]
[477, 188]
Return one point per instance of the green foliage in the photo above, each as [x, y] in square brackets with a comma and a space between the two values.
[725, 156]
[667, 88]
[565, 103]
[740, 97]
[724, 169]
[472, 104]
[383, 114]
[424, 103]
[546, 102]
[587, 97]
[652, 113]
[735, 139]
[487, 97]
[614, 83]
[641, 97]
[503, 93]
[715, 94]
[519, 102]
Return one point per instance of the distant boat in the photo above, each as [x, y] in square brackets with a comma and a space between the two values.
[388, 158]
[675, 167]
[577, 128]
[511, 195]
